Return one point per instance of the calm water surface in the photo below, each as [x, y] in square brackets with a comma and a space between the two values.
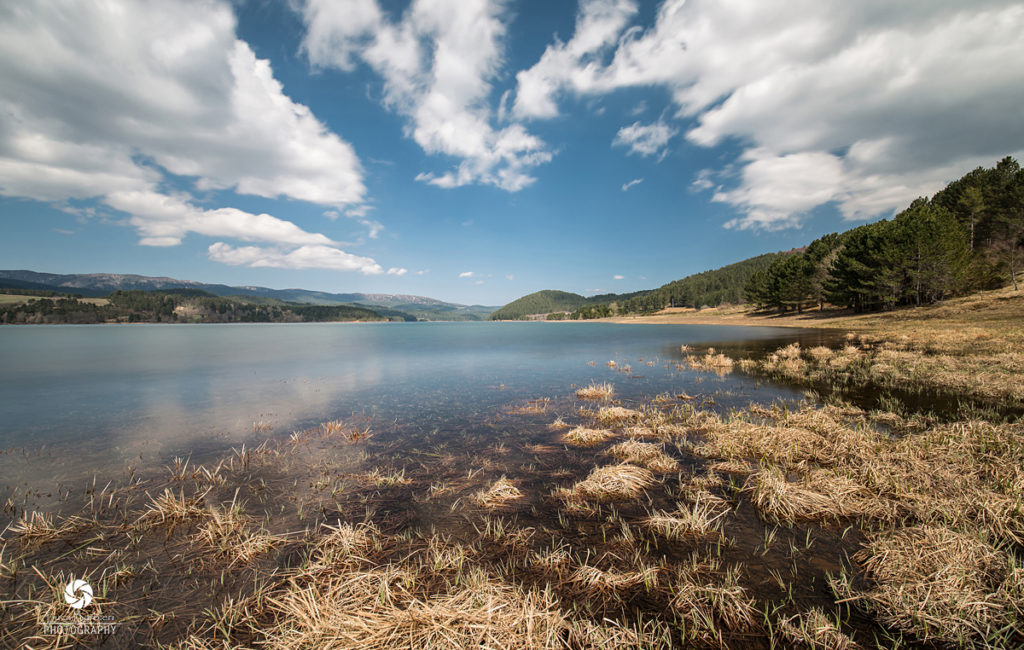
[79, 400]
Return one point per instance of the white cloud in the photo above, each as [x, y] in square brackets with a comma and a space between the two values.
[466, 274]
[618, 277]
[703, 180]
[598, 25]
[644, 139]
[423, 272]
[437, 63]
[92, 91]
[397, 271]
[635, 181]
[164, 220]
[478, 282]
[892, 99]
[101, 99]
[510, 276]
[303, 257]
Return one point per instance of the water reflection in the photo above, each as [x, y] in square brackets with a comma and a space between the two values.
[88, 399]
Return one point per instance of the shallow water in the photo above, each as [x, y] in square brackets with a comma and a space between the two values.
[80, 400]
[445, 403]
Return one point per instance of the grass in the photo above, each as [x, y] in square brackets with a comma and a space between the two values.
[646, 454]
[382, 609]
[613, 415]
[711, 362]
[612, 483]
[602, 391]
[500, 495]
[941, 585]
[814, 630]
[584, 437]
[704, 517]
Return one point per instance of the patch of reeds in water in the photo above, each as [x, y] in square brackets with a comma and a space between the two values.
[612, 483]
[646, 454]
[500, 495]
[813, 630]
[612, 415]
[584, 437]
[941, 585]
[602, 391]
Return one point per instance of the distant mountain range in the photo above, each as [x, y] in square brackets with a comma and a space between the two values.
[102, 284]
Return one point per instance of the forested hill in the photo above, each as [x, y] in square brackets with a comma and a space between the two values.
[710, 288]
[968, 237]
[173, 306]
[707, 288]
[540, 302]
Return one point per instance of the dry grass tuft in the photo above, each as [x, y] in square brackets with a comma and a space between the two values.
[558, 425]
[172, 508]
[500, 495]
[711, 362]
[345, 544]
[614, 483]
[779, 500]
[708, 602]
[646, 454]
[815, 631]
[704, 517]
[378, 609]
[599, 581]
[941, 585]
[602, 391]
[584, 437]
[611, 415]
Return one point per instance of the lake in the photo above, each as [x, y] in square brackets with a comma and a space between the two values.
[81, 400]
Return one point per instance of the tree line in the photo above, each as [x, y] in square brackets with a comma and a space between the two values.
[968, 237]
[176, 306]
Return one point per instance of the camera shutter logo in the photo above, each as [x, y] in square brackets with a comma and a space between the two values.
[78, 594]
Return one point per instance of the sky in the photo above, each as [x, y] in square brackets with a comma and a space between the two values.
[478, 150]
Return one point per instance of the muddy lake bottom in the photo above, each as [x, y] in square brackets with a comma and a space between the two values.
[442, 454]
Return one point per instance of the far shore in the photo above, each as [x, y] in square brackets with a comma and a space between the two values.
[1002, 309]
[743, 316]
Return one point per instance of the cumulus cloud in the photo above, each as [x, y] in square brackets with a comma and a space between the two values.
[303, 257]
[437, 62]
[102, 100]
[892, 100]
[466, 274]
[635, 181]
[618, 277]
[397, 271]
[644, 139]
[92, 90]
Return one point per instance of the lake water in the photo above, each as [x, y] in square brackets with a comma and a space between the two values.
[82, 400]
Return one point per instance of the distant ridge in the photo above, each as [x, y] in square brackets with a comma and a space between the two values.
[102, 284]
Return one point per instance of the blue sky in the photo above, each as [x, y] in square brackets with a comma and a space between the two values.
[479, 150]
